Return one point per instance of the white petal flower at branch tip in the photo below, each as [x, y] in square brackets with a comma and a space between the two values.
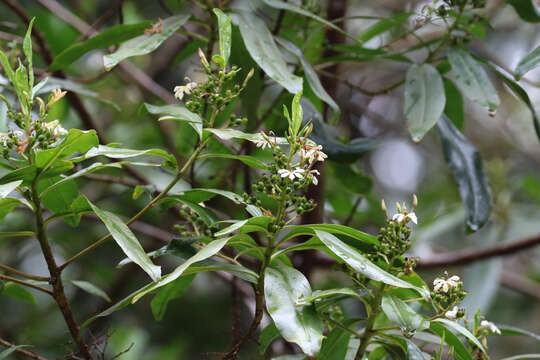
[445, 285]
[262, 143]
[490, 326]
[405, 217]
[452, 314]
[314, 173]
[298, 173]
[313, 154]
[179, 91]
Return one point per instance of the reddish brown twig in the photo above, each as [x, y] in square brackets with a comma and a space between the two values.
[21, 351]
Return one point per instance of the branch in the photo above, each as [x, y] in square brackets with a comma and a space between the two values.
[25, 283]
[472, 255]
[24, 352]
[22, 274]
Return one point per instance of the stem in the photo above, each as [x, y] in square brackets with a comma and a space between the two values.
[56, 278]
[148, 206]
[368, 331]
[25, 283]
[22, 274]
[20, 351]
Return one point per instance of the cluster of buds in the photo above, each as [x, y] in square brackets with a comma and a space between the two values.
[218, 90]
[197, 224]
[394, 237]
[448, 291]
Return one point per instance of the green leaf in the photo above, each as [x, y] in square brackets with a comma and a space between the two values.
[263, 49]
[401, 314]
[206, 215]
[309, 72]
[297, 230]
[59, 201]
[525, 10]
[120, 153]
[507, 330]
[4, 354]
[128, 242]
[340, 344]
[109, 37]
[284, 286]
[176, 112]
[91, 289]
[424, 99]
[472, 79]
[27, 49]
[174, 290]
[76, 141]
[528, 63]
[268, 335]
[228, 134]
[7, 67]
[236, 270]
[208, 251]
[297, 113]
[463, 331]
[6, 189]
[365, 267]
[28, 173]
[246, 159]
[3, 116]
[225, 31]
[454, 104]
[232, 228]
[523, 356]
[384, 25]
[8, 205]
[461, 352]
[413, 352]
[146, 43]
[16, 291]
[321, 294]
[466, 165]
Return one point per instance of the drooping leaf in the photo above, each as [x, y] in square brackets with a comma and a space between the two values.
[109, 37]
[525, 10]
[472, 79]
[145, 43]
[283, 287]
[384, 25]
[528, 63]
[127, 241]
[178, 113]
[263, 49]
[507, 330]
[208, 251]
[91, 289]
[466, 165]
[454, 104]
[225, 35]
[461, 352]
[424, 99]
[174, 290]
[361, 264]
[401, 314]
[461, 330]
[18, 292]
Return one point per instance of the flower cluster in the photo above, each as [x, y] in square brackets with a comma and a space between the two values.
[447, 291]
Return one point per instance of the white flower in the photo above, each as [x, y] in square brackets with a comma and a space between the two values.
[314, 173]
[490, 326]
[313, 154]
[452, 314]
[19, 134]
[179, 91]
[4, 138]
[298, 173]
[445, 285]
[56, 128]
[262, 143]
[405, 217]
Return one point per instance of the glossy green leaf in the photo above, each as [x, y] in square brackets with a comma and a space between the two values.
[27, 49]
[232, 228]
[206, 215]
[284, 286]
[413, 352]
[268, 335]
[297, 113]
[225, 34]
[18, 292]
[174, 290]
[424, 99]
[246, 159]
[6, 189]
[178, 113]
[384, 25]
[525, 9]
[240, 272]
[7, 67]
[454, 104]
[465, 162]
[401, 314]
[379, 353]
[472, 80]
[207, 251]
[461, 330]
[298, 230]
[145, 43]
[309, 72]
[528, 63]
[263, 49]
[59, 201]
[461, 352]
[340, 344]
[7, 205]
[361, 264]
[76, 141]
[127, 241]
[229, 134]
[507, 330]
[91, 289]
[321, 294]
[28, 173]
[109, 37]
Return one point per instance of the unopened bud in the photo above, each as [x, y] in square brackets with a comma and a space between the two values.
[203, 59]
[414, 202]
[383, 206]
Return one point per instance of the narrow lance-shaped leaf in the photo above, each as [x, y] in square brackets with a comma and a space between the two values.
[263, 49]
[225, 34]
[460, 351]
[91, 289]
[465, 162]
[127, 241]
[297, 113]
[146, 43]
[384, 25]
[424, 99]
[176, 112]
[284, 286]
[472, 79]
[27, 49]
[463, 331]
[528, 63]
[400, 313]
[361, 264]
